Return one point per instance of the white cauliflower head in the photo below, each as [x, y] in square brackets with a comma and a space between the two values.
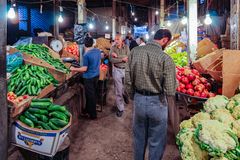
[213, 103]
[188, 148]
[197, 118]
[186, 124]
[217, 135]
[224, 116]
[234, 101]
[219, 158]
[236, 112]
[236, 127]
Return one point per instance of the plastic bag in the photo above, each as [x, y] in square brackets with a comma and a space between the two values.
[14, 61]
[23, 41]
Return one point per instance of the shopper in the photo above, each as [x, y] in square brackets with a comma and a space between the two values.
[90, 70]
[118, 57]
[151, 80]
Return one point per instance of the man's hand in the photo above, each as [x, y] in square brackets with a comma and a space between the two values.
[73, 69]
[125, 59]
[114, 55]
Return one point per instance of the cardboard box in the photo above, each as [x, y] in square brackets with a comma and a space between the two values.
[37, 140]
[18, 108]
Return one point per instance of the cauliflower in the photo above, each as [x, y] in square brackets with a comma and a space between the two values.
[234, 101]
[215, 102]
[188, 148]
[186, 124]
[224, 116]
[199, 117]
[215, 137]
[236, 112]
[236, 127]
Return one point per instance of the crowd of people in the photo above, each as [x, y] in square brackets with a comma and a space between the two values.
[144, 73]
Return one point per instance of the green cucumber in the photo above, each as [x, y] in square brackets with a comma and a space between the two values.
[58, 122]
[43, 100]
[54, 127]
[40, 105]
[66, 113]
[55, 107]
[38, 111]
[58, 115]
[26, 121]
[44, 125]
[39, 127]
[31, 117]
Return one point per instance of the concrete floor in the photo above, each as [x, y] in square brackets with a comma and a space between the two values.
[110, 137]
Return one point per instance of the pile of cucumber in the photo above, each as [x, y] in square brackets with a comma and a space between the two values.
[43, 114]
[30, 80]
[42, 52]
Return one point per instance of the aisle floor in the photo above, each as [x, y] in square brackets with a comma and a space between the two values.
[110, 137]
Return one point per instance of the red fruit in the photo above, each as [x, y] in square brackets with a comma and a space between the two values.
[185, 80]
[189, 86]
[203, 80]
[182, 86]
[25, 97]
[181, 69]
[219, 91]
[196, 82]
[199, 87]
[183, 90]
[191, 77]
[178, 77]
[190, 92]
[178, 89]
[211, 94]
[179, 73]
[208, 86]
[195, 72]
[203, 95]
[197, 94]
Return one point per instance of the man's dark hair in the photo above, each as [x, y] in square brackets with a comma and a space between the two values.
[162, 33]
[88, 42]
[142, 39]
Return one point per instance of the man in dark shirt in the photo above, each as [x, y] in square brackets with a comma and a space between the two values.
[151, 79]
[90, 70]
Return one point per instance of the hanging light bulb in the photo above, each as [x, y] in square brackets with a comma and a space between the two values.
[169, 23]
[147, 36]
[157, 13]
[208, 20]
[90, 26]
[184, 20]
[60, 19]
[135, 19]
[133, 14]
[11, 13]
[107, 27]
[152, 32]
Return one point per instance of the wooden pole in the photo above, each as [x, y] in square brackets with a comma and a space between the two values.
[162, 13]
[3, 82]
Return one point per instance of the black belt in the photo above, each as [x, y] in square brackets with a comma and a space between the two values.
[119, 67]
[147, 93]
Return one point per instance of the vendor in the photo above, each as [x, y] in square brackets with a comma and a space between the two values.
[90, 70]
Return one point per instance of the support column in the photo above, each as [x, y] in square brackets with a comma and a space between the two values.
[113, 18]
[162, 13]
[55, 16]
[3, 82]
[192, 28]
[81, 20]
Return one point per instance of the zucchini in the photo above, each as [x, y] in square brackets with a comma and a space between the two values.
[58, 122]
[55, 107]
[59, 115]
[54, 127]
[26, 121]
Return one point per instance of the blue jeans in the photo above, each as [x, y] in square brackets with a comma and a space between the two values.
[149, 126]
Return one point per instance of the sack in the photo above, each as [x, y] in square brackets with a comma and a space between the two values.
[14, 61]
[231, 72]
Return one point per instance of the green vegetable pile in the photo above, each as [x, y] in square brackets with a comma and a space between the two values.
[215, 131]
[30, 80]
[43, 114]
[42, 52]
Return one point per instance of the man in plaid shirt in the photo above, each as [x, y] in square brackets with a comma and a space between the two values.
[151, 80]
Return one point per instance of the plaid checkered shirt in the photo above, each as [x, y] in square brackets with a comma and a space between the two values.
[150, 69]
